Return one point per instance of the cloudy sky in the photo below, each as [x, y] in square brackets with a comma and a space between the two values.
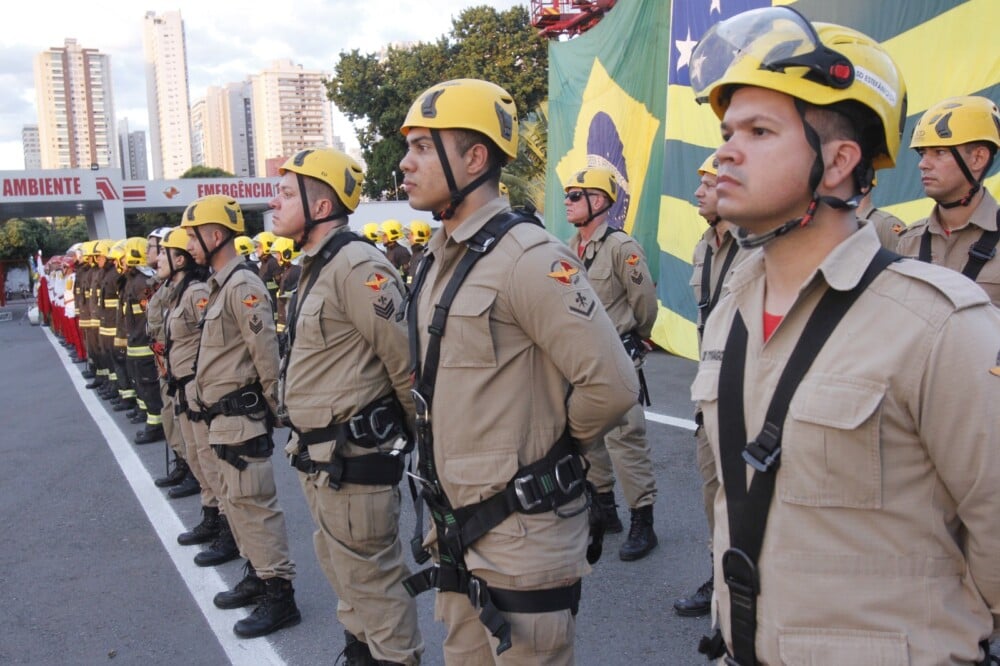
[226, 41]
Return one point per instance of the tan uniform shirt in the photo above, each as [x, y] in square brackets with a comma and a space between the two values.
[719, 254]
[239, 346]
[619, 274]
[156, 311]
[181, 321]
[952, 250]
[511, 351]
[349, 350]
[883, 535]
[887, 226]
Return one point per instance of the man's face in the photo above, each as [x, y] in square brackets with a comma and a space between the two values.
[194, 245]
[940, 174]
[708, 199]
[288, 218]
[101, 261]
[423, 177]
[576, 200]
[152, 251]
[764, 162]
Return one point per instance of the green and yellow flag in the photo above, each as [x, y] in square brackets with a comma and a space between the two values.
[617, 87]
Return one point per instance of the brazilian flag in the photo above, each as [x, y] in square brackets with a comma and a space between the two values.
[620, 96]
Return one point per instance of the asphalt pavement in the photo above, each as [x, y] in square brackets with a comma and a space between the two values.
[91, 572]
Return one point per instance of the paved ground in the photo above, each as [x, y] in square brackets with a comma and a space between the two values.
[91, 572]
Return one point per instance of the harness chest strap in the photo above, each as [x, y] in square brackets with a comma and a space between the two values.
[980, 252]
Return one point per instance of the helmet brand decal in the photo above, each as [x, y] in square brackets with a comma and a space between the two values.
[428, 106]
[506, 122]
[941, 126]
[883, 89]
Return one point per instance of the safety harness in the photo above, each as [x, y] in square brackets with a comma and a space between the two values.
[709, 296]
[542, 486]
[747, 509]
[382, 420]
[980, 252]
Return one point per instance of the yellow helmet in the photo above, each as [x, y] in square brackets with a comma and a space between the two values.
[176, 238]
[89, 249]
[778, 49]
[504, 190]
[372, 232]
[102, 247]
[214, 209]
[134, 251]
[419, 231]
[709, 166]
[116, 253]
[265, 239]
[339, 171]
[392, 230]
[470, 104]
[594, 178]
[244, 245]
[958, 120]
[284, 249]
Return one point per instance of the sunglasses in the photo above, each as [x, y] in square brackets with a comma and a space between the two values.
[575, 195]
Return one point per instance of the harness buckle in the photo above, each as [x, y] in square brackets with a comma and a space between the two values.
[421, 408]
[373, 418]
[475, 589]
[764, 452]
[520, 484]
[980, 255]
[567, 488]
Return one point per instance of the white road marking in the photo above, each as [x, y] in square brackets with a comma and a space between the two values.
[686, 424]
[202, 582]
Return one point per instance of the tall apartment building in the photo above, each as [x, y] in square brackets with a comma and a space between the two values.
[76, 117]
[132, 148]
[167, 94]
[32, 147]
[210, 139]
[239, 127]
[290, 112]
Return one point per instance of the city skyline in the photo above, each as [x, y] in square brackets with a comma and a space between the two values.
[226, 43]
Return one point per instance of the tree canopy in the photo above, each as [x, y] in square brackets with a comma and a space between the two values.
[21, 238]
[375, 90]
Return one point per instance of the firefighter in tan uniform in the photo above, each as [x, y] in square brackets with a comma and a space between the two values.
[715, 256]
[284, 251]
[859, 519]
[182, 335]
[503, 403]
[235, 392]
[957, 140]
[616, 267]
[887, 226]
[345, 392]
[267, 267]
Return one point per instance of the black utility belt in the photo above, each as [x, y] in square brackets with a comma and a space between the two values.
[634, 346]
[174, 384]
[259, 447]
[374, 469]
[379, 421]
[241, 402]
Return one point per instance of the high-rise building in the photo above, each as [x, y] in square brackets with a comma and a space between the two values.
[290, 112]
[167, 94]
[76, 117]
[132, 148]
[32, 148]
[238, 122]
[210, 140]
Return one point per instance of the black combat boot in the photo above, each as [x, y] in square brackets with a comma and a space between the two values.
[606, 503]
[698, 604]
[205, 531]
[276, 611]
[88, 374]
[176, 475]
[189, 486]
[124, 405]
[149, 434]
[356, 652]
[222, 550]
[247, 592]
[96, 383]
[138, 417]
[641, 537]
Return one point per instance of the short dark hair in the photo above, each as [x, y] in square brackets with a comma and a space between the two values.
[317, 189]
[851, 121]
[466, 139]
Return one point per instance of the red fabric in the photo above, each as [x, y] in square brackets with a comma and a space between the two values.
[771, 322]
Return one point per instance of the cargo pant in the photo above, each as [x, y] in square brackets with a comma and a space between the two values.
[627, 448]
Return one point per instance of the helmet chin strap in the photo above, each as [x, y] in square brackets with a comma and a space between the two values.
[593, 213]
[974, 182]
[211, 253]
[457, 195]
[310, 224]
[748, 241]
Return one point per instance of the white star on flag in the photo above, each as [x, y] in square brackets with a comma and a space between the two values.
[685, 47]
[716, 6]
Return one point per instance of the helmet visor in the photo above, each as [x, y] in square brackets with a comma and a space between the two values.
[779, 37]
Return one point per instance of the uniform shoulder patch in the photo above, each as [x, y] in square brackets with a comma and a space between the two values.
[995, 370]
[377, 280]
[564, 272]
[581, 303]
[632, 259]
[898, 228]
[201, 303]
[251, 300]
[384, 306]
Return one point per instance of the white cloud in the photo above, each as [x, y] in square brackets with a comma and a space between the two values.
[226, 41]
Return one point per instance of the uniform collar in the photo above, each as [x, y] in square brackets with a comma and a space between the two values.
[218, 278]
[841, 269]
[469, 227]
[325, 239]
[709, 236]
[984, 216]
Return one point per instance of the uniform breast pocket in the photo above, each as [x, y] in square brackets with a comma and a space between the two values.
[602, 280]
[309, 325]
[468, 338]
[831, 453]
[213, 332]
